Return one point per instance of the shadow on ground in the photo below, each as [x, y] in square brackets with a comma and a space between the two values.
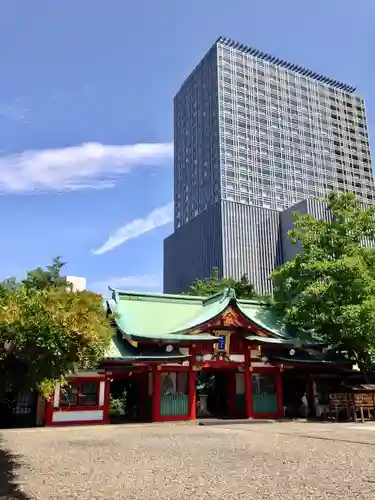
[10, 489]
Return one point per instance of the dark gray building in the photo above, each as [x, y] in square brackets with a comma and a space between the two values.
[253, 136]
[309, 206]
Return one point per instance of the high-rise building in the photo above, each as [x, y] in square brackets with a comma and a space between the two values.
[254, 135]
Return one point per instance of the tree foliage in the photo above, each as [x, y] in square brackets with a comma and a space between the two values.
[243, 288]
[47, 331]
[329, 287]
[41, 279]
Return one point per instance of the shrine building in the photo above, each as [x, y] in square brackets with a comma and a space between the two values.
[180, 357]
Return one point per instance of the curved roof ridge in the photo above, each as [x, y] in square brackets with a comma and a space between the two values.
[254, 301]
[262, 316]
[225, 293]
[159, 295]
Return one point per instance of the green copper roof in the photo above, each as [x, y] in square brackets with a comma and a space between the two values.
[117, 349]
[162, 317]
[121, 350]
[167, 318]
[265, 319]
[262, 316]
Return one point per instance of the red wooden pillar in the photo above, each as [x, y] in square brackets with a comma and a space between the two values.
[107, 392]
[192, 385]
[231, 394]
[156, 395]
[192, 375]
[248, 385]
[279, 392]
[49, 412]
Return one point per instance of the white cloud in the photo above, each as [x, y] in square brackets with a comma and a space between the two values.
[158, 217]
[150, 283]
[87, 166]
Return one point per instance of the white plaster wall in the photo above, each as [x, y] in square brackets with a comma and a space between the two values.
[239, 358]
[90, 374]
[101, 393]
[77, 416]
[56, 396]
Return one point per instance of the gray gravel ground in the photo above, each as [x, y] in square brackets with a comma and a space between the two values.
[185, 461]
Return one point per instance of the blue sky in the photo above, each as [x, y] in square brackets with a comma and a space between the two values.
[86, 116]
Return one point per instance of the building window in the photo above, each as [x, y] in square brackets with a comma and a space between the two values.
[80, 394]
[174, 383]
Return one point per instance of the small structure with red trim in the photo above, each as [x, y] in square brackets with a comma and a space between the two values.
[182, 357]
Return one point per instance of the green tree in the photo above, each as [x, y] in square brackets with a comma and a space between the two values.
[243, 288]
[9, 284]
[40, 279]
[328, 289]
[48, 331]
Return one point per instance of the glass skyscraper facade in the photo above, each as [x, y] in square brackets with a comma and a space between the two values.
[253, 136]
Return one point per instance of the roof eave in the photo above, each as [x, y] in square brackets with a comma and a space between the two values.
[273, 341]
[171, 338]
[290, 341]
[146, 359]
[326, 362]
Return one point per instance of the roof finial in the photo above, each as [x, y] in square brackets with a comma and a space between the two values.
[231, 293]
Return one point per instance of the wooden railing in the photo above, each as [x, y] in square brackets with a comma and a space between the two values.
[173, 405]
[353, 405]
[265, 403]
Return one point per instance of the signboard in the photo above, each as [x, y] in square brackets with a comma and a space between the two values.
[221, 345]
